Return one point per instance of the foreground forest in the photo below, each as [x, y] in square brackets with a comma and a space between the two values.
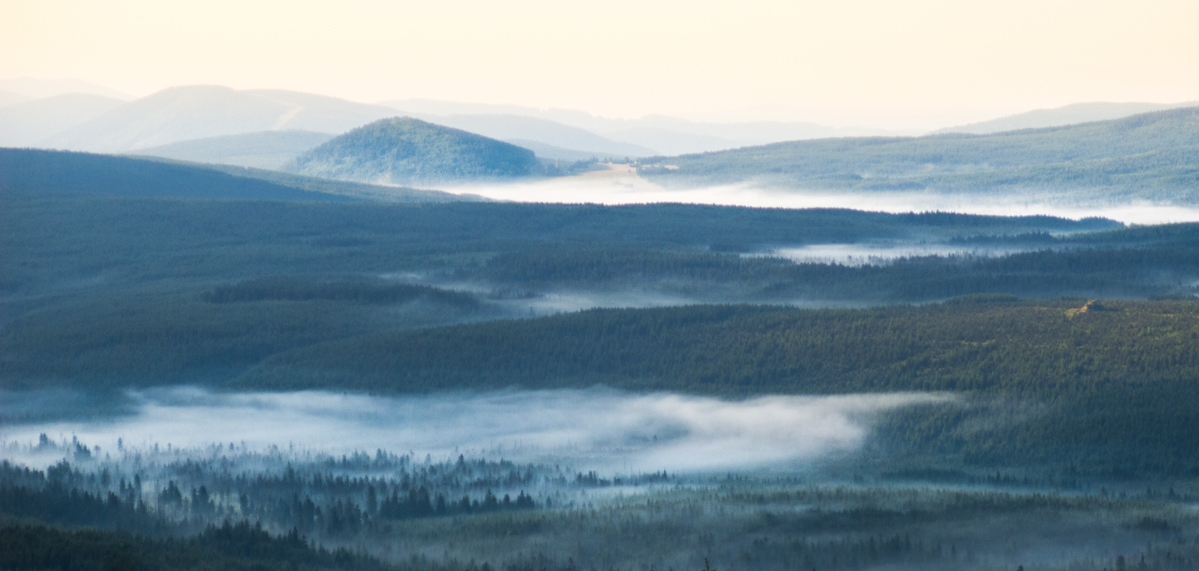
[154, 509]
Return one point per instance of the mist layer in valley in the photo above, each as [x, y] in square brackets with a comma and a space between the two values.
[558, 479]
[598, 429]
[620, 184]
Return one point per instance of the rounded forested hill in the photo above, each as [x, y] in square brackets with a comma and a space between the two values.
[403, 150]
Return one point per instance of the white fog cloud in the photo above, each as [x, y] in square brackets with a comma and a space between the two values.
[610, 430]
[623, 186]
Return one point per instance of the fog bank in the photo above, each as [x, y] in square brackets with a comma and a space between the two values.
[883, 253]
[621, 185]
[598, 428]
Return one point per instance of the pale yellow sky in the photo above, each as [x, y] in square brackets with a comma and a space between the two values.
[895, 64]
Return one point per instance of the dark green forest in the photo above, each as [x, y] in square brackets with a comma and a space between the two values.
[1114, 380]
[134, 291]
[239, 547]
[177, 513]
[41, 172]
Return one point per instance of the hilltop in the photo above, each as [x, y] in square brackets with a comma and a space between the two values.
[404, 150]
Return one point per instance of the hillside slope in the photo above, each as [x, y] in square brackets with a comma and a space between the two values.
[194, 112]
[667, 135]
[264, 150]
[39, 172]
[1105, 387]
[406, 150]
[1059, 116]
[1151, 156]
[31, 122]
[514, 127]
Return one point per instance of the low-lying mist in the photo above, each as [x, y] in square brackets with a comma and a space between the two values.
[606, 430]
[622, 185]
[875, 254]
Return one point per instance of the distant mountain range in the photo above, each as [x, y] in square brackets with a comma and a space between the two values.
[9, 98]
[665, 135]
[263, 150]
[268, 128]
[29, 123]
[1060, 116]
[1151, 156]
[186, 113]
[31, 88]
[411, 151]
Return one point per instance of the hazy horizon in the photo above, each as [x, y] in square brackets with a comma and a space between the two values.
[921, 65]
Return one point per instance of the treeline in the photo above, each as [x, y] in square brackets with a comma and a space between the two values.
[228, 547]
[1143, 272]
[733, 521]
[326, 499]
[74, 508]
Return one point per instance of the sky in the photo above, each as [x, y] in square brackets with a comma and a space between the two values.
[874, 63]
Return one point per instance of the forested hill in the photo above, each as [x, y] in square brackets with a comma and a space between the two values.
[1096, 386]
[40, 172]
[403, 150]
[1151, 155]
[991, 344]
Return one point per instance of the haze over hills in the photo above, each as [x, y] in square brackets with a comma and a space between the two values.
[404, 150]
[48, 173]
[195, 112]
[9, 98]
[77, 122]
[666, 135]
[553, 153]
[96, 123]
[41, 88]
[1152, 156]
[543, 131]
[266, 124]
[1066, 115]
[32, 122]
[264, 150]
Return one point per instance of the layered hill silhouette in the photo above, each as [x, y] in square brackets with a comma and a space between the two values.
[195, 112]
[665, 135]
[1065, 115]
[32, 122]
[41, 172]
[404, 150]
[1151, 156]
[543, 133]
[264, 150]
